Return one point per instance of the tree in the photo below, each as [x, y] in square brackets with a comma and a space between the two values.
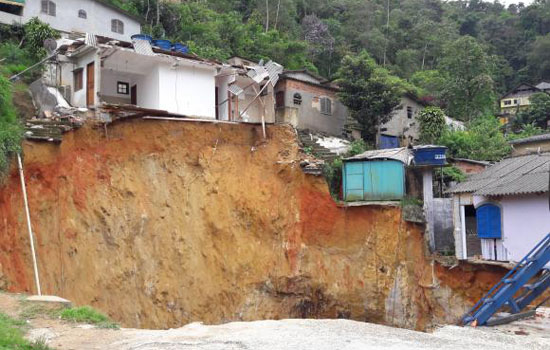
[469, 86]
[369, 92]
[538, 113]
[538, 58]
[482, 140]
[431, 124]
[35, 34]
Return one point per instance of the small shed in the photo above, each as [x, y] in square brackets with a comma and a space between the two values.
[376, 175]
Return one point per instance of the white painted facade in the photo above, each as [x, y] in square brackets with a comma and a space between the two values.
[179, 86]
[525, 222]
[98, 18]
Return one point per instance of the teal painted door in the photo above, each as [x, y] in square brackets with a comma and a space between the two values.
[374, 180]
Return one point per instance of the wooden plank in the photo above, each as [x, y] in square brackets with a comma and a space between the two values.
[511, 318]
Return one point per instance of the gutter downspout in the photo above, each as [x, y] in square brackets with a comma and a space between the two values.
[29, 226]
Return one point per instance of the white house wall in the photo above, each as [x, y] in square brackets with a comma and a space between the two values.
[526, 220]
[148, 95]
[98, 19]
[109, 85]
[79, 97]
[188, 90]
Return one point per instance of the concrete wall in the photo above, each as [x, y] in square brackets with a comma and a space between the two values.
[109, 83]
[98, 19]
[526, 220]
[79, 97]
[309, 111]
[443, 224]
[148, 95]
[400, 125]
[188, 90]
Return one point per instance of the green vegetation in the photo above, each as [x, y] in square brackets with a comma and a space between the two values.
[453, 173]
[538, 113]
[482, 140]
[369, 91]
[86, 314]
[11, 336]
[431, 124]
[10, 130]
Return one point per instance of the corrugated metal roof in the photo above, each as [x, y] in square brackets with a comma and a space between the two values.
[402, 154]
[511, 176]
[543, 85]
[536, 138]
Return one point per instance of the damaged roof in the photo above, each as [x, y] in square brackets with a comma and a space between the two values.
[512, 176]
[402, 154]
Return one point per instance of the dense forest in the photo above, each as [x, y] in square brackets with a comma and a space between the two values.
[412, 38]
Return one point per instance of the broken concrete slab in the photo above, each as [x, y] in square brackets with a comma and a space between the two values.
[49, 299]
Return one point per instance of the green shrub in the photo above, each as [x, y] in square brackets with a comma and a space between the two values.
[11, 132]
[357, 147]
[11, 336]
[87, 314]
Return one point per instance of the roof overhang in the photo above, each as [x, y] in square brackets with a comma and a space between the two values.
[13, 2]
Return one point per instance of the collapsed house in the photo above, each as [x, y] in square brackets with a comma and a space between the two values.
[140, 79]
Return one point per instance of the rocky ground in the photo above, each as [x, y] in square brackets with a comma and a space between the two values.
[283, 334]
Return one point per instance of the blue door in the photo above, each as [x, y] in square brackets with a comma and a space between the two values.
[388, 142]
[489, 221]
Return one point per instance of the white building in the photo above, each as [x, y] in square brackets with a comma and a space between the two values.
[83, 16]
[503, 212]
[98, 72]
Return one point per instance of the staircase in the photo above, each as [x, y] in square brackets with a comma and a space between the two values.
[308, 141]
[514, 291]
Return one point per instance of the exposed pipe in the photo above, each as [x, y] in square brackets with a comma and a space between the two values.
[29, 226]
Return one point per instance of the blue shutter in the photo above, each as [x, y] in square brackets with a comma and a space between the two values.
[489, 221]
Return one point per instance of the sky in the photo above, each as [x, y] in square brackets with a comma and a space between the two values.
[508, 2]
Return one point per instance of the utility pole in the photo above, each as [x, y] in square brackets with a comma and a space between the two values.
[29, 226]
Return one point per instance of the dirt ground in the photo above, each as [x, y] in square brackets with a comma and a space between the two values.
[287, 334]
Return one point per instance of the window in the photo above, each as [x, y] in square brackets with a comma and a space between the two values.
[123, 88]
[489, 221]
[78, 76]
[409, 112]
[507, 102]
[297, 99]
[326, 106]
[117, 26]
[48, 7]
[515, 102]
[82, 14]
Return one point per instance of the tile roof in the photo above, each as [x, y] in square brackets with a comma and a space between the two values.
[511, 176]
[536, 138]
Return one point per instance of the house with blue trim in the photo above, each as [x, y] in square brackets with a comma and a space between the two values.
[501, 213]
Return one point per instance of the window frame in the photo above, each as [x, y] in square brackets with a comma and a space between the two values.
[117, 26]
[48, 7]
[84, 13]
[507, 102]
[326, 101]
[78, 79]
[122, 84]
[297, 98]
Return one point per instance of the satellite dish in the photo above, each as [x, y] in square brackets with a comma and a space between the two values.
[50, 45]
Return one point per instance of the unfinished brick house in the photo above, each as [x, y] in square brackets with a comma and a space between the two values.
[308, 101]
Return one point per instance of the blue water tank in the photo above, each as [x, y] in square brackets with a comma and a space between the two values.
[430, 155]
[179, 47]
[142, 37]
[163, 44]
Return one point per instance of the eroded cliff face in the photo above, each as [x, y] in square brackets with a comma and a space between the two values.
[162, 223]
